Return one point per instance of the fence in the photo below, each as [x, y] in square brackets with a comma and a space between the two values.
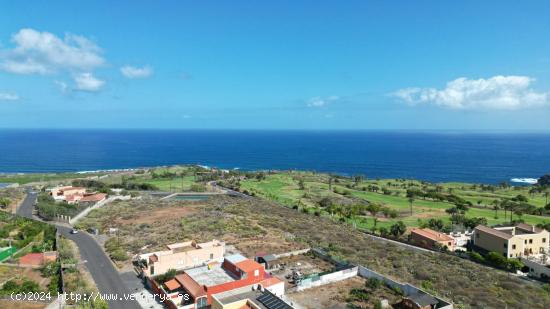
[318, 280]
[7, 253]
[407, 289]
[347, 271]
[291, 253]
[97, 205]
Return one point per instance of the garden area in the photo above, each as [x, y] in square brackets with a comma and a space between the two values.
[379, 204]
[25, 235]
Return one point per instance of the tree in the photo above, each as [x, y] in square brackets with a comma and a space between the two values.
[411, 201]
[521, 198]
[398, 229]
[383, 231]
[544, 181]
[373, 209]
[325, 202]
[497, 259]
[496, 207]
[514, 265]
[301, 184]
[4, 202]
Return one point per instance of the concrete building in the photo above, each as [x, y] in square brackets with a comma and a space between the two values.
[249, 299]
[512, 241]
[430, 239]
[67, 193]
[197, 287]
[539, 266]
[181, 256]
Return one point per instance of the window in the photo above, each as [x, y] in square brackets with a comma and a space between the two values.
[514, 247]
[530, 241]
[544, 240]
[211, 256]
[152, 271]
[505, 245]
[256, 273]
[202, 302]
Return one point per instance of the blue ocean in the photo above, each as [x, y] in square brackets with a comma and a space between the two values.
[435, 157]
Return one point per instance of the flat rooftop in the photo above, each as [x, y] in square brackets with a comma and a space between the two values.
[209, 277]
[238, 294]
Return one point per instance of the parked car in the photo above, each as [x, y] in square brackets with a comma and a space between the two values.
[74, 231]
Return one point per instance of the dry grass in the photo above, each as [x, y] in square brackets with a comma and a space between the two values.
[258, 225]
[336, 295]
[8, 304]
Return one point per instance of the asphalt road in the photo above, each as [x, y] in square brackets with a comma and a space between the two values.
[25, 210]
[105, 275]
[103, 272]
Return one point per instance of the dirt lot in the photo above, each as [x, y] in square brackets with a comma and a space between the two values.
[16, 273]
[6, 304]
[15, 196]
[304, 264]
[236, 220]
[159, 215]
[154, 223]
[337, 295]
[269, 243]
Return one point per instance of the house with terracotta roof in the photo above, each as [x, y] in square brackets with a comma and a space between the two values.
[196, 287]
[521, 240]
[69, 194]
[180, 256]
[430, 239]
[93, 197]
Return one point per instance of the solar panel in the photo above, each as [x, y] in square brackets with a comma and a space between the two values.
[271, 301]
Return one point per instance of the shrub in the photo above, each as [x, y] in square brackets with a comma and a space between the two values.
[374, 283]
[119, 255]
[358, 295]
[496, 259]
[476, 257]
[198, 188]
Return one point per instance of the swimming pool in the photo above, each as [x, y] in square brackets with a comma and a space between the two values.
[190, 197]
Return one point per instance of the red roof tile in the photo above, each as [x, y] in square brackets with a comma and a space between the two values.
[172, 284]
[433, 235]
[190, 285]
[94, 197]
[248, 265]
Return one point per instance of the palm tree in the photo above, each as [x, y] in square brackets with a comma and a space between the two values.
[411, 201]
[546, 193]
[496, 207]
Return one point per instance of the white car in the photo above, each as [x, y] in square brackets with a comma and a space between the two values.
[74, 231]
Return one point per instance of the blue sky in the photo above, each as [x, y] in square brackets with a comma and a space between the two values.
[428, 65]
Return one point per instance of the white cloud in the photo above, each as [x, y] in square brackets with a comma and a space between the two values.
[498, 93]
[321, 101]
[38, 52]
[62, 86]
[87, 82]
[135, 72]
[7, 96]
